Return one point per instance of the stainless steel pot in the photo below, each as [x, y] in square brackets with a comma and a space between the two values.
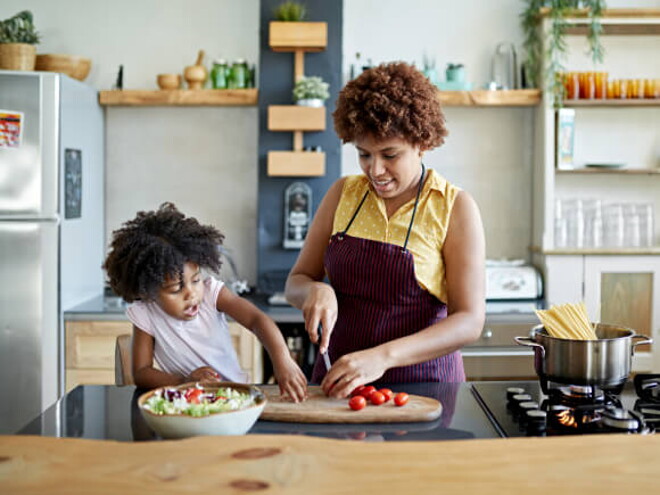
[605, 362]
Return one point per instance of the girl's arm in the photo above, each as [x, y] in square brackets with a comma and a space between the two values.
[464, 258]
[146, 376]
[304, 287]
[289, 376]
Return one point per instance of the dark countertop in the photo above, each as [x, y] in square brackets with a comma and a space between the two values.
[109, 412]
[113, 309]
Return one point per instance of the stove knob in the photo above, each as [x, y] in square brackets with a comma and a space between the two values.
[511, 391]
[537, 422]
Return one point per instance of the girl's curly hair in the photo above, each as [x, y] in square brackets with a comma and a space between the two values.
[391, 100]
[154, 246]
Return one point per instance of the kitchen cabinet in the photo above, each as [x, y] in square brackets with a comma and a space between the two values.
[297, 37]
[618, 284]
[90, 351]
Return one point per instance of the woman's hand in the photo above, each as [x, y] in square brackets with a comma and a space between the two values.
[290, 378]
[320, 307]
[204, 374]
[352, 370]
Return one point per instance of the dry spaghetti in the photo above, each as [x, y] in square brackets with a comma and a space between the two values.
[567, 321]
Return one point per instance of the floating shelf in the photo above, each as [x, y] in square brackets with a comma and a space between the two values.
[646, 102]
[619, 171]
[488, 98]
[654, 250]
[293, 36]
[295, 118]
[296, 163]
[179, 97]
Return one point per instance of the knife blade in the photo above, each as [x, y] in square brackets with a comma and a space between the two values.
[324, 355]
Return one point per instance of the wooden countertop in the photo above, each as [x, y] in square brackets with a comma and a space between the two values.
[593, 464]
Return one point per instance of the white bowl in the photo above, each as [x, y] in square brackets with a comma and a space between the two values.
[223, 423]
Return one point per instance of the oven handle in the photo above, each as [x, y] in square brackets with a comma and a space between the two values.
[529, 342]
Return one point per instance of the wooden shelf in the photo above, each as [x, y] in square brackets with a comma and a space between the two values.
[296, 163]
[629, 102]
[179, 97]
[653, 251]
[487, 98]
[293, 36]
[295, 118]
[609, 13]
[605, 170]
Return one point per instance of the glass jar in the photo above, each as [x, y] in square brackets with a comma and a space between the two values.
[239, 74]
[219, 74]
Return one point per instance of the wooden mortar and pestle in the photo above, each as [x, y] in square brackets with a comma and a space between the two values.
[195, 75]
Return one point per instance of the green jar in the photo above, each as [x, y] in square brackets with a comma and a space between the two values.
[239, 75]
[220, 74]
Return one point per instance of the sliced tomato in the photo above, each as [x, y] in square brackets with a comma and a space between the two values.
[192, 395]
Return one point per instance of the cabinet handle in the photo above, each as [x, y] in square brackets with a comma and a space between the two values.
[488, 333]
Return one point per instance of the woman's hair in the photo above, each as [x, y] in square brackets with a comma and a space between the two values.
[154, 246]
[391, 100]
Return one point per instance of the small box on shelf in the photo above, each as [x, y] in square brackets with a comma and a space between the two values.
[564, 138]
[295, 118]
[291, 36]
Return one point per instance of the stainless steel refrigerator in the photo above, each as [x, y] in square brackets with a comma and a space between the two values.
[51, 230]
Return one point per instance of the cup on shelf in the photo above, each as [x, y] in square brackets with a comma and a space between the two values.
[613, 225]
[646, 224]
[573, 213]
[600, 81]
[593, 223]
[631, 226]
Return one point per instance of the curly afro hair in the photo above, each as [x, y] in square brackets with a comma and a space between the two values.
[154, 246]
[391, 100]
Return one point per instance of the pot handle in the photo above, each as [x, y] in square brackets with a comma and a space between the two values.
[647, 340]
[529, 342]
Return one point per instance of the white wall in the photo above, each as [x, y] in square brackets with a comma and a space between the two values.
[202, 159]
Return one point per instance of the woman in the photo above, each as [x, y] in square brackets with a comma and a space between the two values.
[403, 249]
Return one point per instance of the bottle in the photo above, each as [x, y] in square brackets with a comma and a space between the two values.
[238, 78]
[219, 74]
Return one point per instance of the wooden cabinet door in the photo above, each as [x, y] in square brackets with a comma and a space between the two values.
[625, 290]
[249, 351]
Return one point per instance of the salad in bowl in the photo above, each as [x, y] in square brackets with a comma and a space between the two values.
[202, 408]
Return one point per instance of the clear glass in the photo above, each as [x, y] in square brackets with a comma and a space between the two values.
[646, 224]
[572, 211]
[631, 230]
[613, 225]
[593, 223]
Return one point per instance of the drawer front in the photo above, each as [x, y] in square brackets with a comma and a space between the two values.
[91, 344]
[502, 334]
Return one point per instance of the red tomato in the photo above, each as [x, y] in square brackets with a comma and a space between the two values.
[377, 398]
[357, 391]
[192, 395]
[358, 402]
[367, 391]
[387, 393]
[401, 399]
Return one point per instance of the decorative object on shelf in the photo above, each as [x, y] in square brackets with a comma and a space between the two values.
[18, 38]
[290, 12]
[531, 18]
[119, 83]
[72, 65]
[297, 214]
[310, 91]
[220, 74]
[169, 81]
[565, 138]
[455, 75]
[429, 70]
[195, 75]
[504, 67]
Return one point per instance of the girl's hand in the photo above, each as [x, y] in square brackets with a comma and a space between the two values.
[204, 374]
[290, 378]
[320, 307]
[352, 370]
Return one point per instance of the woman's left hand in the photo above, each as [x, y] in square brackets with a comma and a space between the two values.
[352, 370]
[290, 378]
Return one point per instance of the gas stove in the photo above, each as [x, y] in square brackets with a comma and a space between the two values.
[523, 408]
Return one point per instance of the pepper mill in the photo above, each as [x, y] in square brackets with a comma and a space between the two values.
[195, 75]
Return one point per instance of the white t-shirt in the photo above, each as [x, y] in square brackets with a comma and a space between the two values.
[180, 346]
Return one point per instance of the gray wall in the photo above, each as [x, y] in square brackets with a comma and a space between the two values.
[274, 261]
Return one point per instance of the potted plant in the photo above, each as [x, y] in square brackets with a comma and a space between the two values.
[290, 12]
[310, 91]
[559, 10]
[18, 38]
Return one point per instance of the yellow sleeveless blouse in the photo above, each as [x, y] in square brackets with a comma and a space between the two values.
[428, 232]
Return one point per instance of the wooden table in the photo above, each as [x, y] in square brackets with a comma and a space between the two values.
[290, 464]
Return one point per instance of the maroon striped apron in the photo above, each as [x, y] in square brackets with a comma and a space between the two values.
[379, 299]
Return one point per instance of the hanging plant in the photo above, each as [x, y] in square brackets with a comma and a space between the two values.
[531, 19]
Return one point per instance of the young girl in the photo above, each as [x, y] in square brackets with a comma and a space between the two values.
[178, 315]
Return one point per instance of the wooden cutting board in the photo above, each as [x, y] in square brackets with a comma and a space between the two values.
[321, 409]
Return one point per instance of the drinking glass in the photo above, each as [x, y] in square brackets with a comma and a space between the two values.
[593, 223]
[573, 212]
[631, 230]
[646, 224]
[613, 225]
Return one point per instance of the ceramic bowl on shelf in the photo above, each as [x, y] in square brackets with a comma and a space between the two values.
[227, 422]
[169, 81]
[72, 65]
